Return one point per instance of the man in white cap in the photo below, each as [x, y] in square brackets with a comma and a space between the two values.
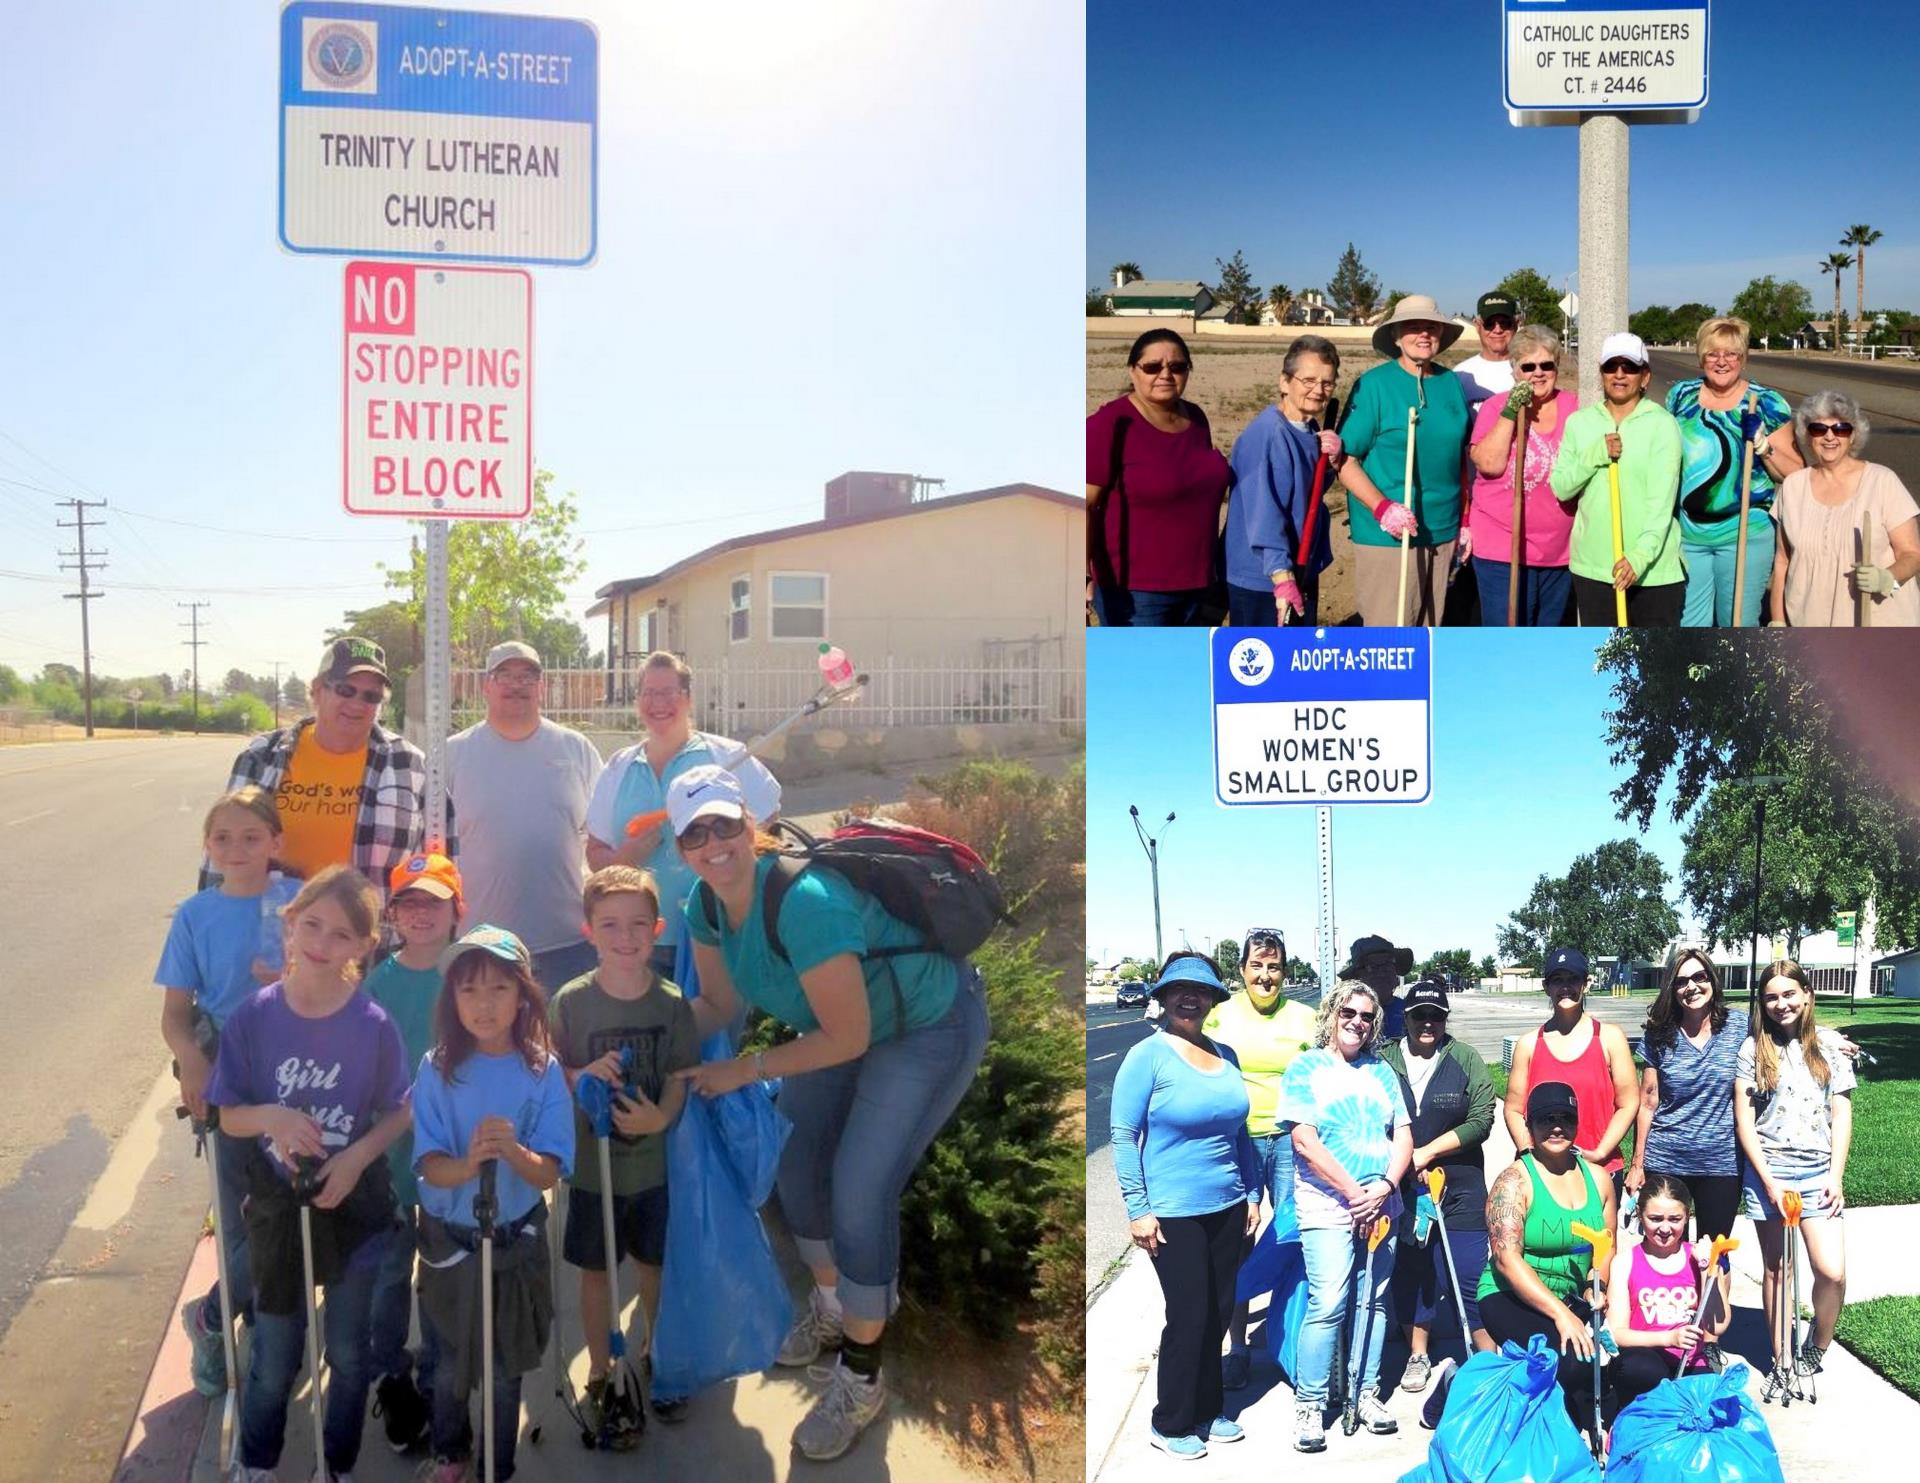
[519, 785]
[1640, 438]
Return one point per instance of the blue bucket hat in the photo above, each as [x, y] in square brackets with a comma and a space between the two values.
[1192, 969]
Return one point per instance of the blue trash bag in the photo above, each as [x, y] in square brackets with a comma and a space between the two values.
[724, 1306]
[1506, 1422]
[717, 1046]
[1277, 1266]
[1704, 1427]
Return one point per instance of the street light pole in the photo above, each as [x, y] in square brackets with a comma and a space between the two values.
[1152, 847]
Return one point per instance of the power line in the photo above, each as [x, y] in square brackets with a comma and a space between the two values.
[86, 594]
[194, 643]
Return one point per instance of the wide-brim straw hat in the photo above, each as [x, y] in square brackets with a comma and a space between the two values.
[1413, 306]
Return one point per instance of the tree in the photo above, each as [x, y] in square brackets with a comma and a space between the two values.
[1226, 953]
[558, 640]
[1280, 300]
[1237, 291]
[11, 685]
[237, 682]
[391, 625]
[1688, 318]
[1299, 970]
[60, 674]
[1539, 304]
[1125, 273]
[502, 574]
[1653, 324]
[1353, 290]
[1862, 237]
[1489, 968]
[1611, 900]
[1836, 264]
[1099, 306]
[1698, 712]
[1448, 962]
[293, 691]
[1394, 296]
[1773, 309]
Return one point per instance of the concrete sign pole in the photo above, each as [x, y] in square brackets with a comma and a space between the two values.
[1603, 242]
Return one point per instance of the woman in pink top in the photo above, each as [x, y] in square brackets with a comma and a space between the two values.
[1545, 523]
[1653, 1294]
[1592, 1058]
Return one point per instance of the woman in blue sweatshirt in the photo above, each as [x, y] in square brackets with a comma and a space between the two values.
[1192, 1188]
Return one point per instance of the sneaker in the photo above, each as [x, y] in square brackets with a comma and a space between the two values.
[1309, 1432]
[815, 1332]
[1807, 1362]
[838, 1417]
[1233, 1370]
[445, 1470]
[1716, 1361]
[1414, 1378]
[1224, 1430]
[1373, 1415]
[613, 1418]
[209, 1363]
[397, 1402]
[243, 1474]
[1186, 1449]
[671, 1411]
[1436, 1405]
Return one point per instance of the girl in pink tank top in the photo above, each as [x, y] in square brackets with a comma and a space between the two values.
[1654, 1295]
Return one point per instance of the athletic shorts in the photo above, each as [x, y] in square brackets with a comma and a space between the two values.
[639, 1226]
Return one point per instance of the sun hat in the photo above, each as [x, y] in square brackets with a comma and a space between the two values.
[1373, 943]
[1191, 968]
[1413, 307]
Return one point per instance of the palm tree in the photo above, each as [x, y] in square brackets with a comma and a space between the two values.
[1125, 273]
[1861, 237]
[1836, 264]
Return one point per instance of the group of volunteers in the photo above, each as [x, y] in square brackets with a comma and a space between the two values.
[394, 1048]
[1426, 455]
[1361, 1126]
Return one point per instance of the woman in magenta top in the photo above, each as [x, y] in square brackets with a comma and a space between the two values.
[1592, 1058]
[1653, 1295]
[1545, 524]
[1155, 484]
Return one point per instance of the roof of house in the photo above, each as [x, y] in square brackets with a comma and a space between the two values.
[1893, 958]
[1159, 288]
[815, 527]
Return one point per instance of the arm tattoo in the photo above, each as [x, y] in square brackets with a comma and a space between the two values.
[1507, 1211]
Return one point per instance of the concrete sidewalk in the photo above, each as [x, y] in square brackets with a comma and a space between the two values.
[1860, 1428]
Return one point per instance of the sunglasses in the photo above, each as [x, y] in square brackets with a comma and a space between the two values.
[698, 832]
[1498, 322]
[1359, 1016]
[1702, 980]
[1824, 429]
[1530, 366]
[347, 690]
[1426, 1017]
[1620, 365]
[1155, 367]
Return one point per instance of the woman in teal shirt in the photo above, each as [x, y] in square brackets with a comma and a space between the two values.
[888, 1046]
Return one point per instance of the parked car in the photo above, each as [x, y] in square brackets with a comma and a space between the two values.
[1130, 995]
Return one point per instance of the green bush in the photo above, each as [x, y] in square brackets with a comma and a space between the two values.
[1030, 829]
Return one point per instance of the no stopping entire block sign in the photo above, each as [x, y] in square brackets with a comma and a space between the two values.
[438, 398]
[1322, 716]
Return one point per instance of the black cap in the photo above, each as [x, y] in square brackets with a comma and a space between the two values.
[1426, 992]
[1565, 960]
[1496, 303]
[1551, 1096]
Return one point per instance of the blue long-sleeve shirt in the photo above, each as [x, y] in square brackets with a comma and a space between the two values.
[1273, 463]
[1180, 1144]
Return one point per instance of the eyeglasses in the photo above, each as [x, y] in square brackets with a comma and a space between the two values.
[698, 832]
[1312, 382]
[1725, 355]
[662, 695]
[1358, 1016]
[1829, 429]
[1498, 322]
[516, 679]
[1530, 366]
[1699, 980]
[347, 690]
[1619, 365]
[1155, 367]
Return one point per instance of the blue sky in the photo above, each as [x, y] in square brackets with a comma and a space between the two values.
[823, 232]
[1289, 130]
[1521, 780]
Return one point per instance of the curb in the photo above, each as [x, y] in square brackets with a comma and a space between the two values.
[1123, 1330]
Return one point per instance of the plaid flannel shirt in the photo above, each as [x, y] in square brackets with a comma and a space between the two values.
[392, 823]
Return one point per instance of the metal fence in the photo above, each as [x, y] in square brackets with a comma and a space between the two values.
[25, 723]
[995, 684]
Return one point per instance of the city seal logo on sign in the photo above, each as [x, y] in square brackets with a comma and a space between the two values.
[1252, 661]
[340, 56]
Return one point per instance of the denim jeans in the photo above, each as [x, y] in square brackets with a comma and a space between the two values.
[1545, 594]
[1331, 1262]
[1119, 607]
[1275, 1153]
[1709, 601]
[234, 1154]
[452, 1435]
[279, 1341]
[859, 1129]
[559, 966]
[393, 1312]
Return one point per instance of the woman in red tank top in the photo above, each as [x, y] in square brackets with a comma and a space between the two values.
[1592, 1058]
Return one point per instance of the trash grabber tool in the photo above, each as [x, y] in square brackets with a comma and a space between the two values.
[623, 1384]
[1793, 1213]
[1602, 1244]
[486, 1211]
[1619, 541]
[1866, 554]
[1363, 1299]
[1436, 1186]
[1747, 430]
[826, 695]
[1406, 537]
[206, 1143]
[1721, 1246]
[1519, 546]
[306, 1184]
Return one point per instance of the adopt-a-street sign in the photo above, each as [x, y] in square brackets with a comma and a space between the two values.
[446, 134]
[1603, 56]
[1322, 715]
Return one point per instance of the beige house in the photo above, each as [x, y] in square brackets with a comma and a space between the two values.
[885, 574]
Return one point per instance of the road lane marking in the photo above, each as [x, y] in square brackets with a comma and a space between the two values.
[1107, 1057]
[45, 813]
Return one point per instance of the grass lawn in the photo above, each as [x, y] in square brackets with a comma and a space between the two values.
[1881, 1334]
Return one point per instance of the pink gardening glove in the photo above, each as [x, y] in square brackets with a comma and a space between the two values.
[1464, 547]
[1396, 520]
[1287, 594]
[1330, 445]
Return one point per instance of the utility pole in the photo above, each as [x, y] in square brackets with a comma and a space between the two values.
[194, 643]
[80, 563]
[277, 664]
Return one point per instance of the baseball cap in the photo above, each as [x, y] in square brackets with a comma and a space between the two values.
[700, 791]
[435, 874]
[498, 941]
[499, 654]
[1551, 1096]
[1191, 968]
[1427, 992]
[351, 655]
[1565, 960]
[1625, 346]
[1496, 303]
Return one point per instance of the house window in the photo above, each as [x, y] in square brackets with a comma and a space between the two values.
[797, 605]
[739, 613]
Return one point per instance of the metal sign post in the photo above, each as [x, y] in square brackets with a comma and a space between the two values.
[1324, 940]
[439, 659]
